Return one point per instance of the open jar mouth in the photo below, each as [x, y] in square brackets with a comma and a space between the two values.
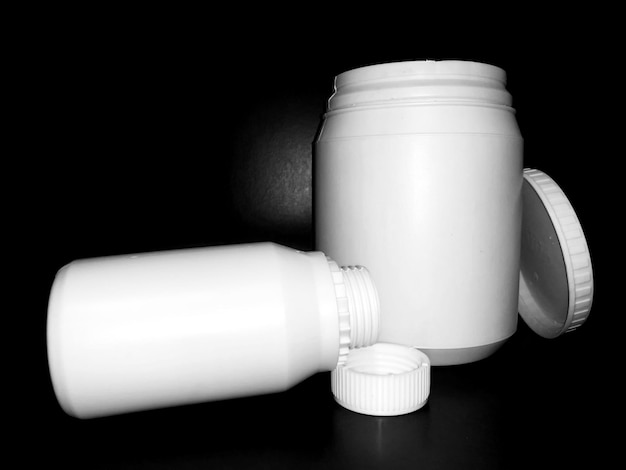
[420, 81]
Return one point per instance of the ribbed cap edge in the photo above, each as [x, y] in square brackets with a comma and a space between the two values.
[382, 380]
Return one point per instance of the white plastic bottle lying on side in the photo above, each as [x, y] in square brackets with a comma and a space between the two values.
[136, 332]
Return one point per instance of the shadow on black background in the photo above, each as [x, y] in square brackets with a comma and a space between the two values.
[151, 142]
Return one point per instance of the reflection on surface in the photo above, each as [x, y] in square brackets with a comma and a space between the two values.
[460, 425]
[518, 407]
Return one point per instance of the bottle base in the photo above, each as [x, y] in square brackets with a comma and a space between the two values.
[455, 356]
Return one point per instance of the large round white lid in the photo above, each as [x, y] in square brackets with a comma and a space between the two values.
[556, 276]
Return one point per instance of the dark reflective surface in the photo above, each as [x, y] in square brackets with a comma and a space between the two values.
[526, 405]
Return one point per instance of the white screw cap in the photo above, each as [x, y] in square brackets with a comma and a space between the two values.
[382, 380]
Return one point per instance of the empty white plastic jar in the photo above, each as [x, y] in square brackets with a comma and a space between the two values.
[136, 332]
[418, 175]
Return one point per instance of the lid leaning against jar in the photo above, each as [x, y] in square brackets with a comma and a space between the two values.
[556, 276]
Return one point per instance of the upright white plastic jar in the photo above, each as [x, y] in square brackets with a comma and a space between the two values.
[418, 175]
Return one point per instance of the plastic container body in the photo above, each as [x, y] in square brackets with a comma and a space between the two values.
[418, 175]
[136, 332]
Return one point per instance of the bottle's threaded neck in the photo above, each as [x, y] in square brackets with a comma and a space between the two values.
[363, 306]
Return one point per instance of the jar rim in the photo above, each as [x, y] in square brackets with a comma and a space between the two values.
[420, 82]
[405, 69]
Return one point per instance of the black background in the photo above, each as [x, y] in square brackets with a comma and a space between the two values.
[150, 132]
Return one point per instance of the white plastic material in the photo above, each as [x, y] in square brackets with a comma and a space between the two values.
[136, 332]
[383, 380]
[556, 282]
[418, 175]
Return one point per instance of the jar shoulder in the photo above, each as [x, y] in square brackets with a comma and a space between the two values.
[432, 119]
